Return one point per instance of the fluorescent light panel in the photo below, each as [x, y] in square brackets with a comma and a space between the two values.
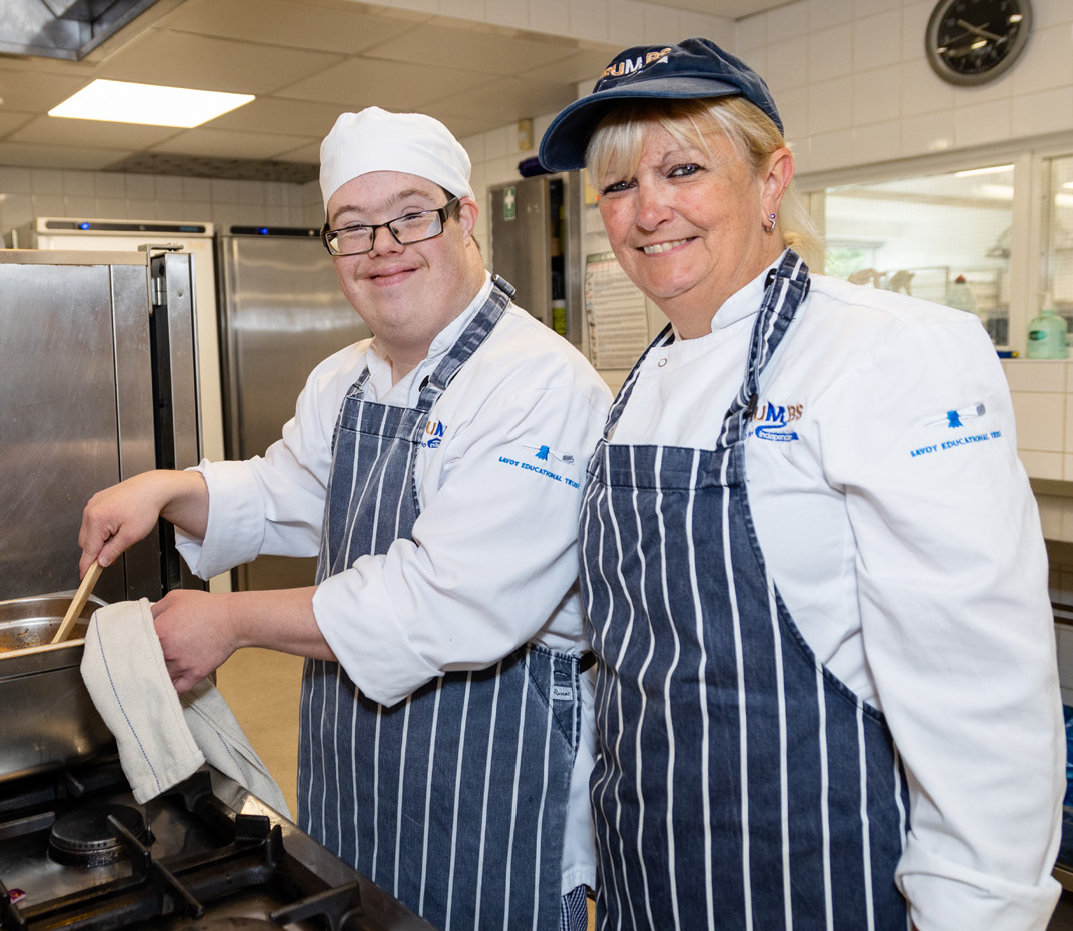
[150, 104]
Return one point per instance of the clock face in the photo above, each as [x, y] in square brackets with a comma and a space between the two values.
[973, 41]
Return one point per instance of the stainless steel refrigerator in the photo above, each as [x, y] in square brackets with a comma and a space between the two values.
[121, 235]
[98, 382]
[281, 311]
[532, 227]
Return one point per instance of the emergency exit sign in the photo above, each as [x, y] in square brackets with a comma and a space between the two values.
[509, 203]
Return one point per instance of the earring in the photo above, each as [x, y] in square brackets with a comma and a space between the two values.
[770, 229]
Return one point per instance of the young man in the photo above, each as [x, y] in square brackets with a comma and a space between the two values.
[437, 469]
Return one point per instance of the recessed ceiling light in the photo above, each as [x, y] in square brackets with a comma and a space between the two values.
[152, 104]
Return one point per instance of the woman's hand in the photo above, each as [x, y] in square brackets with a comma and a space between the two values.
[118, 517]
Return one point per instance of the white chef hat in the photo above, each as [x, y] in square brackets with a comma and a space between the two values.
[376, 140]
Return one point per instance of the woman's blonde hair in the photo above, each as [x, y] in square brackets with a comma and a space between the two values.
[615, 148]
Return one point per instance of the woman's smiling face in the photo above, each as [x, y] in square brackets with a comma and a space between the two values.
[687, 225]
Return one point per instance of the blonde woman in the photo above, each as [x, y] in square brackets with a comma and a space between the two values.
[813, 568]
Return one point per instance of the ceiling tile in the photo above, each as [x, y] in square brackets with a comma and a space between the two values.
[279, 115]
[290, 24]
[52, 130]
[28, 91]
[51, 156]
[218, 143]
[464, 124]
[486, 51]
[585, 65]
[186, 60]
[308, 153]
[508, 99]
[731, 9]
[11, 120]
[364, 82]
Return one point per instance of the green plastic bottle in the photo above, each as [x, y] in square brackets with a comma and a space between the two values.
[1047, 336]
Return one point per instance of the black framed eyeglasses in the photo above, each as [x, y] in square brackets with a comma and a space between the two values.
[407, 229]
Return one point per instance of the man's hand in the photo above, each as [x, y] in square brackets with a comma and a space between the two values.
[118, 517]
[197, 633]
[199, 630]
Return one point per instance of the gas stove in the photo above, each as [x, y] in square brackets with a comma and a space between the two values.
[77, 852]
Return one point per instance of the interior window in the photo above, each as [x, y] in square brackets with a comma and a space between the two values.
[1057, 284]
[942, 237]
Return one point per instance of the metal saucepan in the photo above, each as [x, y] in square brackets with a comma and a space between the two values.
[47, 718]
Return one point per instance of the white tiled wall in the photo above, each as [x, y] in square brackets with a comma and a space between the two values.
[26, 193]
[853, 86]
[1042, 394]
[1044, 407]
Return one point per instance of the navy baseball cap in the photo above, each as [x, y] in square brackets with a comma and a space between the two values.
[693, 68]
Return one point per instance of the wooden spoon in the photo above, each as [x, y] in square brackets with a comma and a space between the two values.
[78, 602]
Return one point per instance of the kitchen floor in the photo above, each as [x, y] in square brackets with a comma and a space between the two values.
[262, 688]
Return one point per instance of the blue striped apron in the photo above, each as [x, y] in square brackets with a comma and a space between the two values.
[455, 799]
[738, 783]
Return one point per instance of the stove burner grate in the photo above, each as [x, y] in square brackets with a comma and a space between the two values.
[185, 861]
[183, 888]
[87, 837]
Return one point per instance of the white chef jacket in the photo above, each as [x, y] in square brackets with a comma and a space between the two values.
[492, 563]
[909, 553]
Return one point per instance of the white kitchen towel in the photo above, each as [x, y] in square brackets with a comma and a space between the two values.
[163, 737]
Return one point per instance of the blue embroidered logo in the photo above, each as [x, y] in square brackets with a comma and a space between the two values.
[955, 420]
[543, 453]
[775, 420]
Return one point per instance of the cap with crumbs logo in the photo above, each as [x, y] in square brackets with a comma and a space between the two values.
[693, 68]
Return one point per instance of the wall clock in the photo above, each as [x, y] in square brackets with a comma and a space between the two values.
[971, 42]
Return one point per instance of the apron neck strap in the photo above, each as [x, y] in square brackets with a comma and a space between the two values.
[785, 289]
[474, 333]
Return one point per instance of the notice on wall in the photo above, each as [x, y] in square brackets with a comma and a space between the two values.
[618, 320]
